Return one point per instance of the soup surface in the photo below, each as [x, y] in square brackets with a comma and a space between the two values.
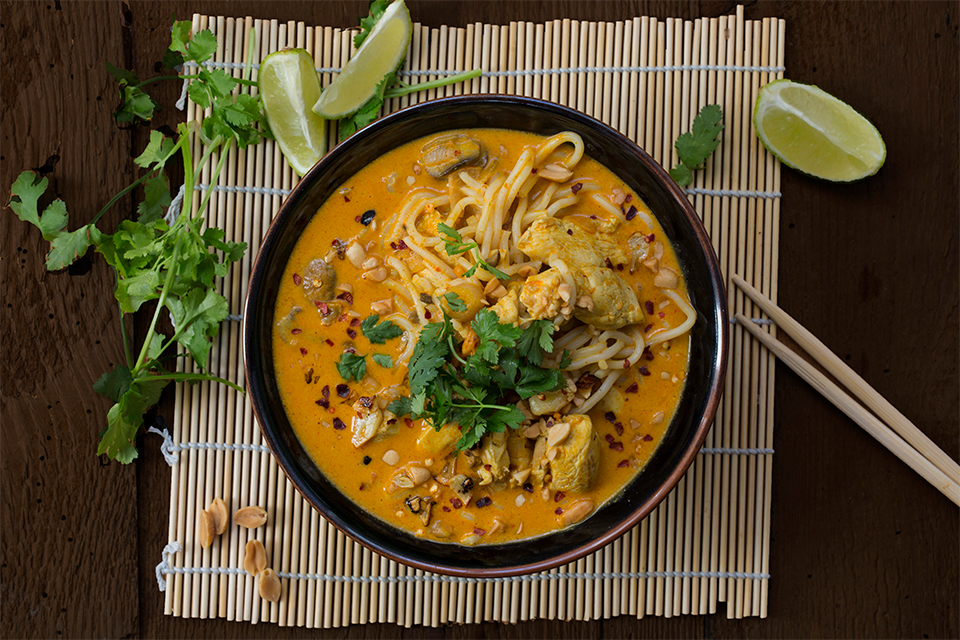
[482, 336]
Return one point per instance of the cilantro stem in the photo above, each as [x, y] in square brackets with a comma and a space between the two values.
[404, 88]
[135, 184]
[160, 304]
[123, 327]
[224, 149]
[196, 377]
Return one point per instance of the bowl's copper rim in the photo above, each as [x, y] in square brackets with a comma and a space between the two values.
[713, 399]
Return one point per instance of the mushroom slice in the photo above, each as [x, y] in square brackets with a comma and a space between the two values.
[319, 280]
[445, 153]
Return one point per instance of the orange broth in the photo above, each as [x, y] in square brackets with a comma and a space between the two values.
[306, 365]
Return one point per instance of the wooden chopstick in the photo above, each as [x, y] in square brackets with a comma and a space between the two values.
[923, 456]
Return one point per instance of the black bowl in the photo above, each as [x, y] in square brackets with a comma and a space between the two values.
[708, 341]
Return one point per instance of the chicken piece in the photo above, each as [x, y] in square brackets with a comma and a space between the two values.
[550, 402]
[578, 456]
[493, 455]
[519, 450]
[586, 255]
[540, 295]
[508, 307]
[436, 442]
[370, 423]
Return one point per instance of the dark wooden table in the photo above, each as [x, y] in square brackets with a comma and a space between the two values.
[861, 545]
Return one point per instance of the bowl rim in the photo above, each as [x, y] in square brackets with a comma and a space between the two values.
[717, 302]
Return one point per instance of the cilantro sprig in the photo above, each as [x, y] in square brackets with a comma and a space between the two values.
[455, 245]
[473, 392]
[695, 146]
[174, 265]
[379, 333]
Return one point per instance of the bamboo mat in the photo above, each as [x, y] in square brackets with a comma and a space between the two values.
[706, 544]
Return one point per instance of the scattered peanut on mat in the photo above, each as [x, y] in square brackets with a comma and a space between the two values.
[250, 517]
[218, 509]
[269, 585]
[206, 529]
[255, 561]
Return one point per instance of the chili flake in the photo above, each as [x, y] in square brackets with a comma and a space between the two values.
[367, 459]
[648, 306]
[559, 496]
[456, 502]
[343, 390]
[296, 331]
[644, 371]
[559, 511]
[303, 351]
[485, 501]
[631, 213]
[479, 531]
[647, 437]
[610, 416]
[346, 296]
[297, 279]
[633, 388]
[339, 424]
[623, 464]
[351, 333]
[576, 188]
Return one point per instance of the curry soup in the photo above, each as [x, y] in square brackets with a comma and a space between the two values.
[578, 249]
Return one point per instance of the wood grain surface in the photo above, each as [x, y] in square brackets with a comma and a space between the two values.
[861, 545]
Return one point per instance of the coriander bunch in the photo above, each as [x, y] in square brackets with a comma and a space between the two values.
[175, 265]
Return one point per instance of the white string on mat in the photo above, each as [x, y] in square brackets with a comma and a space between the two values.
[736, 193]
[536, 72]
[170, 450]
[729, 451]
[267, 191]
[164, 568]
[755, 321]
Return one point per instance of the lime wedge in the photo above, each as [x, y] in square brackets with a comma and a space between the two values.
[289, 85]
[380, 54]
[808, 129]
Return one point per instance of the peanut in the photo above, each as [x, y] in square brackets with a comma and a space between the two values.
[218, 510]
[250, 517]
[205, 529]
[269, 585]
[255, 560]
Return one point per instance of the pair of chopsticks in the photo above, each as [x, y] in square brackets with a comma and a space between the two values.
[892, 429]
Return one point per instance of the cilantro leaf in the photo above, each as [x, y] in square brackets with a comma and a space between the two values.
[500, 419]
[352, 366]
[377, 7]
[196, 318]
[158, 150]
[134, 103]
[125, 417]
[379, 333]
[113, 384]
[383, 360]
[401, 406]
[156, 197]
[493, 335]
[536, 340]
[695, 146]
[68, 246]
[25, 193]
[429, 354]
[454, 302]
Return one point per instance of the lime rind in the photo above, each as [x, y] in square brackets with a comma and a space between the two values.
[380, 54]
[289, 86]
[815, 133]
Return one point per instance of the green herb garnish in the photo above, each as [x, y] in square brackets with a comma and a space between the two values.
[455, 245]
[383, 360]
[379, 333]
[174, 264]
[446, 388]
[695, 146]
[352, 366]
